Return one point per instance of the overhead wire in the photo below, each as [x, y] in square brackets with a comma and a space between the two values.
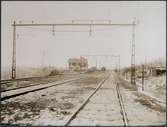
[50, 30]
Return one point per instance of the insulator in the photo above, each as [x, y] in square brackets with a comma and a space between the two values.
[90, 32]
[53, 31]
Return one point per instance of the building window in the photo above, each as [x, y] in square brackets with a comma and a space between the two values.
[74, 64]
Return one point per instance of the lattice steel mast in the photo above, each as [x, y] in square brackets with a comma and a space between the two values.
[133, 70]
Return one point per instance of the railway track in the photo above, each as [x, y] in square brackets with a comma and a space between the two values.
[7, 94]
[33, 88]
[29, 85]
[5, 81]
[30, 79]
[80, 107]
[69, 119]
[106, 101]
[19, 80]
[123, 112]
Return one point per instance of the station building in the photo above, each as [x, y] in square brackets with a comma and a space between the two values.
[78, 64]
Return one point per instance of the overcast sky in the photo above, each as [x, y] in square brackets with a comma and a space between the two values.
[32, 42]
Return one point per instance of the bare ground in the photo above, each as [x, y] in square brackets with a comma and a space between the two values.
[53, 104]
[141, 98]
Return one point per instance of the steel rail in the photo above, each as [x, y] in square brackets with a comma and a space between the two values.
[80, 107]
[18, 79]
[37, 89]
[21, 79]
[3, 81]
[25, 86]
[123, 112]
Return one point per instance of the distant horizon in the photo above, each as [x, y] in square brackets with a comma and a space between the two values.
[22, 66]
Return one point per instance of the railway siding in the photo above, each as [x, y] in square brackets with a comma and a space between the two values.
[17, 92]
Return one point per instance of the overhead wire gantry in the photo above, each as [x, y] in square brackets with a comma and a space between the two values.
[74, 23]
